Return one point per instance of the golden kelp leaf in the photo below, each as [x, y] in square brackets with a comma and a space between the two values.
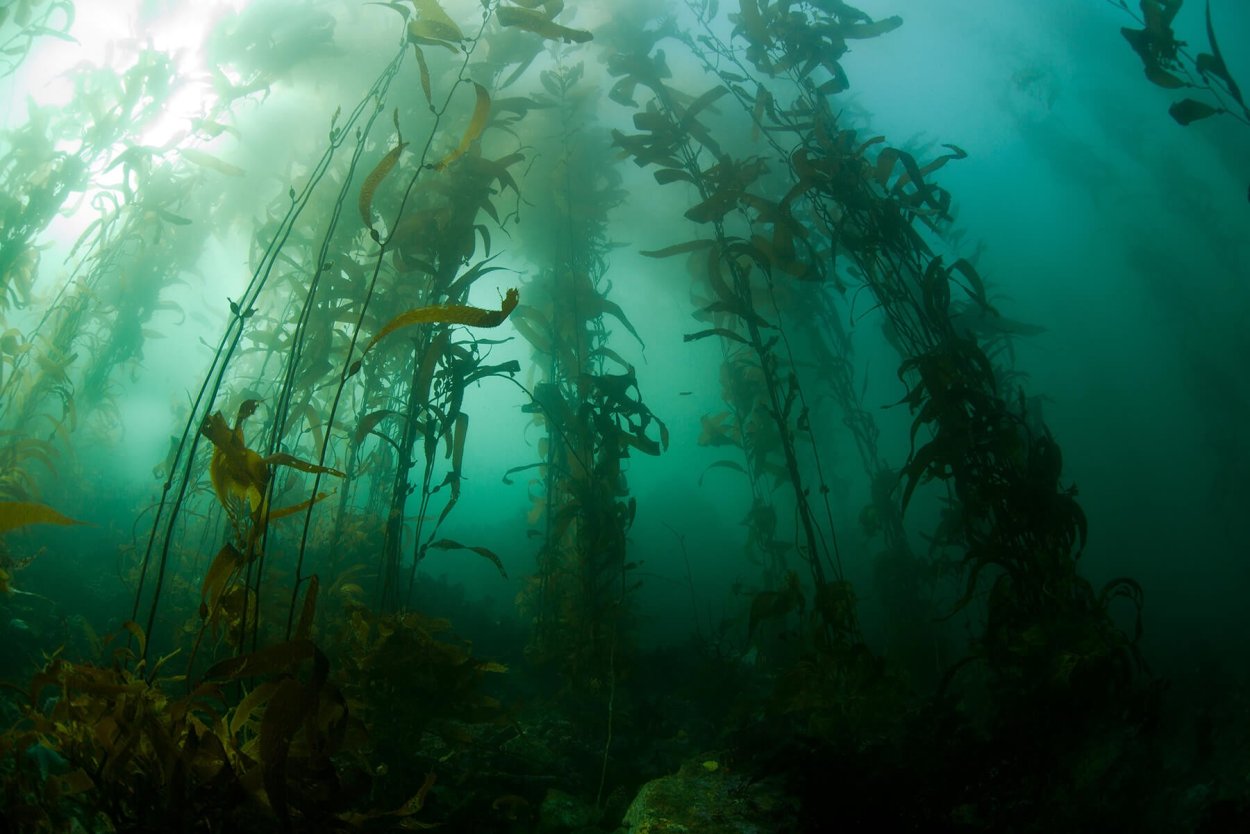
[283, 459]
[235, 470]
[374, 180]
[481, 110]
[433, 24]
[448, 314]
[14, 514]
[207, 160]
[425, 74]
[448, 544]
[718, 430]
[136, 631]
[248, 705]
[538, 23]
[283, 512]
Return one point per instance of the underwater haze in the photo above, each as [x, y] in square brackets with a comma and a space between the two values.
[672, 415]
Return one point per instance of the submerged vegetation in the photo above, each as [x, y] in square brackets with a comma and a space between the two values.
[443, 254]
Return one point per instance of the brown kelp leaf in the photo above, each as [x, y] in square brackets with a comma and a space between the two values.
[481, 110]
[370, 422]
[721, 464]
[374, 179]
[448, 544]
[14, 514]
[282, 719]
[225, 563]
[1191, 110]
[723, 332]
[602, 306]
[1214, 63]
[429, 363]
[678, 249]
[666, 175]
[854, 31]
[275, 659]
[522, 468]
[75, 782]
[448, 314]
[714, 207]
[1162, 78]
[535, 21]
[309, 611]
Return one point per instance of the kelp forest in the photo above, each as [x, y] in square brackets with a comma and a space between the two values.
[505, 416]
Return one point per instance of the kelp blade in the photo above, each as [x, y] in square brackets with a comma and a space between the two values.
[534, 21]
[15, 514]
[481, 110]
[448, 314]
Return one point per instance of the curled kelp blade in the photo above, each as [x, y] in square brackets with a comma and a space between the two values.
[446, 314]
[379, 172]
[384, 166]
[481, 110]
[532, 20]
[15, 514]
[434, 26]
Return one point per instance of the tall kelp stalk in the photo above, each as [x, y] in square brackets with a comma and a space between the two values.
[769, 408]
[796, 255]
[587, 400]
[1050, 644]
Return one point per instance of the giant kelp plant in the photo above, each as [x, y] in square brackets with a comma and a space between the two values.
[286, 660]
